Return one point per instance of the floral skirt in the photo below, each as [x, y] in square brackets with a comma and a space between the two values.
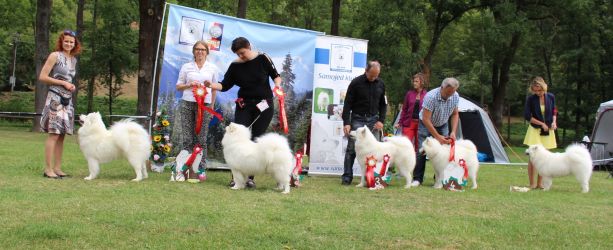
[57, 118]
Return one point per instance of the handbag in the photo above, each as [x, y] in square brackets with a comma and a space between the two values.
[65, 101]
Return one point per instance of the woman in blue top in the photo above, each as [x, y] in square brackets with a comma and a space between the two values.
[541, 112]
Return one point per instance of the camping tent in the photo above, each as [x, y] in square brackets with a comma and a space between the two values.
[602, 135]
[475, 125]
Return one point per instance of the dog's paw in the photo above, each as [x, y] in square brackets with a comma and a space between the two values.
[235, 187]
[137, 179]
[88, 178]
[360, 185]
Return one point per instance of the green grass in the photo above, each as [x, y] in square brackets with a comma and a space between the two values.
[112, 212]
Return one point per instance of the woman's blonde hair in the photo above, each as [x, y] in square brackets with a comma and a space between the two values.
[538, 81]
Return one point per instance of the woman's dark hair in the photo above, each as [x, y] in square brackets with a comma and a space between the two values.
[240, 43]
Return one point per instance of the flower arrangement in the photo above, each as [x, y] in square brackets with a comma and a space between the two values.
[160, 139]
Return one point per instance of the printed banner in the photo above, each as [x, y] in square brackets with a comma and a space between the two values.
[290, 49]
[337, 61]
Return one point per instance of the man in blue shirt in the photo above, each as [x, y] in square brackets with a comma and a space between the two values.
[439, 105]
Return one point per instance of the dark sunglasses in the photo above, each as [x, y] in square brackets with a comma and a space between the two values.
[70, 33]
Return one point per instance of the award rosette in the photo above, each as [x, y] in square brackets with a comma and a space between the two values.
[200, 93]
[455, 175]
[381, 178]
[296, 176]
[282, 116]
[369, 176]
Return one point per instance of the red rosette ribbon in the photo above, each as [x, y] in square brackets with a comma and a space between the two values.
[463, 165]
[386, 160]
[282, 116]
[295, 176]
[371, 163]
[200, 93]
[190, 160]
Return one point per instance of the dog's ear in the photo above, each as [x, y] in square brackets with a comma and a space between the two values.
[363, 131]
[230, 128]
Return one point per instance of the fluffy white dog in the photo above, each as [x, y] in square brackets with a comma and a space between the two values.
[439, 156]
[399, 148]
[125, 138]
[269, 153]
[576, 160]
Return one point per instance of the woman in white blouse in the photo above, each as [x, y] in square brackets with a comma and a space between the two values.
[193, 74]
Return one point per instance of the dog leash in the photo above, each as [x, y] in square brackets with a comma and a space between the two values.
[254, 121]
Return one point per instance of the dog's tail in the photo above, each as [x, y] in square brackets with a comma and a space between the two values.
[402, 143]
[131, 136]
[276, 147]
[579, 155]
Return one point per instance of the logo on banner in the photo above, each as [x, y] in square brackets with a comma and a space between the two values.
[216, 32]
[341, 58]
[192, 30]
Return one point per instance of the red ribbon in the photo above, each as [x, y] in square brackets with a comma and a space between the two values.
[282, 116]
[463, 165]
[295, 179]
[386, 159]
[190, 160]
[452, 150]
[371, 163]
[200, 93]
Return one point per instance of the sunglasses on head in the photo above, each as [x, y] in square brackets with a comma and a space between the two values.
[70, 33]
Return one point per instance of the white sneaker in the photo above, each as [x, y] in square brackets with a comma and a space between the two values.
[415, 184]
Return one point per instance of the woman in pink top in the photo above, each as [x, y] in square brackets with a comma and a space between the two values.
[409, 116]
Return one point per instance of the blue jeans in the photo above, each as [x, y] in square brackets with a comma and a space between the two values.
[357, 121]
[423, 133]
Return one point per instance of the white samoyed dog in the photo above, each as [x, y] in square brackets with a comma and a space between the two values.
[270, 154]
[125, 138]
[439, 156]
[576, 160]
[399, 148]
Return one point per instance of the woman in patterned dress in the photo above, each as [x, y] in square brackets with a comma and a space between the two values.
[58, 114]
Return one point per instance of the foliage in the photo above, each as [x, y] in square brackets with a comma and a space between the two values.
[112, 212]
[565, 41]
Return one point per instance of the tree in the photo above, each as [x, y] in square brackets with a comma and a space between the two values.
[118, 41]
[80, 28]
[43, 17]
[151, 12]
[242, 9]
[336, 14]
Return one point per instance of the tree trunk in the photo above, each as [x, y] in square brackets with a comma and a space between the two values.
[91, 85]
[336, 14]
[242, 9]
[578, 96]
[500, 89]
[41, 33]
[151, 12]
[80, 6]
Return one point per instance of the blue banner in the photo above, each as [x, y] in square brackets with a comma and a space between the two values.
[291, 50]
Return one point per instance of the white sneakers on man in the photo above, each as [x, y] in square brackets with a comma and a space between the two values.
[415, 184]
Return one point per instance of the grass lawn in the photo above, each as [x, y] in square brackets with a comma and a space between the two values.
[112, 212]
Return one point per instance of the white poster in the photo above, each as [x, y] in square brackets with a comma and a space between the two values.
[337, 61]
